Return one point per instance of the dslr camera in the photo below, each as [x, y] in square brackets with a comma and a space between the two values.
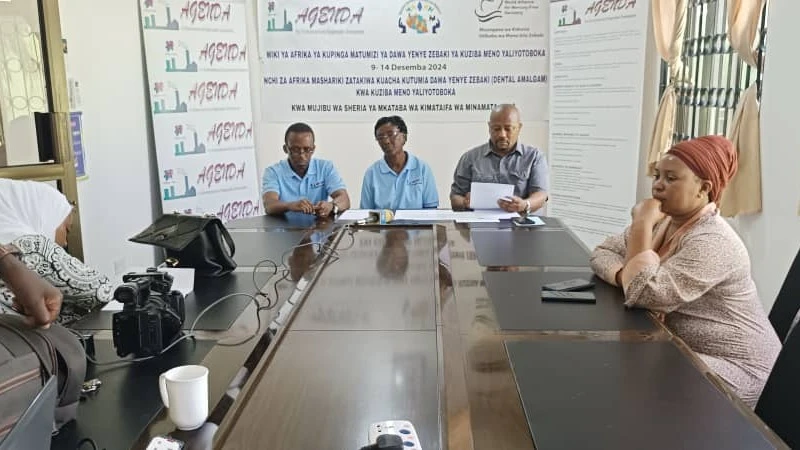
[152, 313]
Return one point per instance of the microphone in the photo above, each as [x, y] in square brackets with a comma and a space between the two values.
[381, 217]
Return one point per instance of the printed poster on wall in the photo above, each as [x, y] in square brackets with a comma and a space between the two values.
[597, 64]
[437, 60]
[196, 55]
[78, 151]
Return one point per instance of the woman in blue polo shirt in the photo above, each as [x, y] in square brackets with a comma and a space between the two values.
[399, 180]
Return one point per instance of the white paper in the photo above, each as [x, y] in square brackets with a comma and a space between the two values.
[447, 215]
[484, 216]
[183, 281]
[476, 220]
[443, 215]
[113, 305]
[354, 214]
[484, 196]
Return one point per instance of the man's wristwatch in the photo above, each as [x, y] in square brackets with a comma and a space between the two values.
[527, 207]
[335, 210]
[8, 250]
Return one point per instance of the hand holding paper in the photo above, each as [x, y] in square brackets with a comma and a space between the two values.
[512, 204]
[486, 195]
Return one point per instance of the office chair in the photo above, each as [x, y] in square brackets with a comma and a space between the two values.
[779, 404]
[787, 303]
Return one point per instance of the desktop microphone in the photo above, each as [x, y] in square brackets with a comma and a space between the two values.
[381, 217]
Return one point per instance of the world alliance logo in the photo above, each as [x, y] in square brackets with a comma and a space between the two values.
[489, 10]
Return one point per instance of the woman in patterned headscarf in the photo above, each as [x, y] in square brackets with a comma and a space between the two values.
[681, 259]
[35, 218]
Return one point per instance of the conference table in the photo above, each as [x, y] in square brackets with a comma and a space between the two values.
[442, 324]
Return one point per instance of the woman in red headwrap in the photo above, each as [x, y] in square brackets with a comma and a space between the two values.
[681, 259]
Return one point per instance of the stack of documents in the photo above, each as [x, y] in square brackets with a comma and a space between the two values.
[483, 202]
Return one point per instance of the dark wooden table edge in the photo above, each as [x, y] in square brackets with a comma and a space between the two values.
[234, 409]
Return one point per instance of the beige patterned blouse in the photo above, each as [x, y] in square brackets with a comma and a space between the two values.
[708, 295]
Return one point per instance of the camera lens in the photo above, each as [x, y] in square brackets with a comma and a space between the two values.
[125, 293]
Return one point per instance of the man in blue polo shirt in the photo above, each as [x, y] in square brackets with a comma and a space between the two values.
[301, 183]
[399, 180]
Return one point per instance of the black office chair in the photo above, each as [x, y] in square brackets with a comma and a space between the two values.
[787, 303]
[779, 404]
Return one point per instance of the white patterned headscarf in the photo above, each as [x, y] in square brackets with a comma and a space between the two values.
[30, 208]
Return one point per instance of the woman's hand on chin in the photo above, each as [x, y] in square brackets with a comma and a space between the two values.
[647, 212]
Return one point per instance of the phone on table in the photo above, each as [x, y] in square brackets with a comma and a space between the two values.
[568, 297]
[165, 443]
[527, 221]
[575, 284]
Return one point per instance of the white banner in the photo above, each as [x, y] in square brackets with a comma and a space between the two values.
[597, 67]
[196, 55]
[444, 60]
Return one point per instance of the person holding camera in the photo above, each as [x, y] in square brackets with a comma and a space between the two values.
[35, 220]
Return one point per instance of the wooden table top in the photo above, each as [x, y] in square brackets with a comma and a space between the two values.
[397, 323]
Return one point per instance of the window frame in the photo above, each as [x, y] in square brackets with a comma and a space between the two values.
[715, 77]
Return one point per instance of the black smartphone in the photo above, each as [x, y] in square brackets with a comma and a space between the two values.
[575, 284]
[527, 221]
[568, 297]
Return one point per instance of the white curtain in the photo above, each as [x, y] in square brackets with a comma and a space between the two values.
[743, 194]
[669, 24]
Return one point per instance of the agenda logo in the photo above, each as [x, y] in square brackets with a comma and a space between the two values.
[313, 19]
[420, 17]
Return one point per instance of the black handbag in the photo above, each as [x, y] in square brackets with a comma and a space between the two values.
[200, 242]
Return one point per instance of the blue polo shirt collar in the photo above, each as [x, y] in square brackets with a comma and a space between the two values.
[411, 164]
[312, 168]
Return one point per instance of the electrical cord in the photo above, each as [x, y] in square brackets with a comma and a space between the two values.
[351, 233]
[184, 336]
[220, 300]
[325, 249]
[259, 290]
[134, 360]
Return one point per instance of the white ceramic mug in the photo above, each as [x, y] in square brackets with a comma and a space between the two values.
[184, 391]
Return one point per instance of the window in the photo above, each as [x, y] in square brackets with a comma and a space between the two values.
[714, 75]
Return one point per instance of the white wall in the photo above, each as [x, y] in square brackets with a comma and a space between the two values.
[116, 200]
[773, 237]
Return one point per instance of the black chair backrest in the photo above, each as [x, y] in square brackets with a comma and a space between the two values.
[779, 404]
[788, 301]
